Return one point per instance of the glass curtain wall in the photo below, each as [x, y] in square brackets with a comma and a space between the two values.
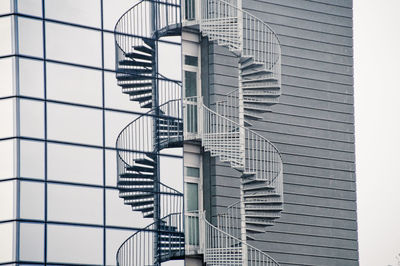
[61, 112]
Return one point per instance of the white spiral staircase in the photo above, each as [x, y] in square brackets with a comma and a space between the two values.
[222, 132]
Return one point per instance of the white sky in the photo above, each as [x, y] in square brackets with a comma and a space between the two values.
[377, 113]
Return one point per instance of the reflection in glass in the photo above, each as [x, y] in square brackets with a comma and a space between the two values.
[74, 84]
[7, 209]
[114, 239]
[6, 77]
[74, 244]
[119, 214]
[77, 204]
[31, 78]
[73, 44]
[74, 124]
[6, 36]
[31, 241]
[87, 164]
[76, 11]
[31, 118]
[32, 200]
[30, 37]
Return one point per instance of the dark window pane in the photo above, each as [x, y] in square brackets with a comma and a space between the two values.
[191, 60]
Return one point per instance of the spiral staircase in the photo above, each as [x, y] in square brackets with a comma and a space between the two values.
[171, 120]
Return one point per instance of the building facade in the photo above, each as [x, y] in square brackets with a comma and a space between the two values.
[70, 150]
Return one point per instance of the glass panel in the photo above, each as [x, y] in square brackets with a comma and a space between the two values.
[114, 240]
[171, 170]
[7, 112]
[6, 77]
[191, 60]
[111, 168]
[5, 6]
[31, 118]
[7, 155]
[74, 124]
[191, 196]
[7, 242]
[75, 164]
[30, 37]
[190, 9]
[115, 122]
[31, 78]
[7, 200]
[109, 50]
[169, 59]
[114, 98]
[6, 36]
[76, 11]
[190, 84]
[32, 242]
[73, 44]
[192, 229]
[76, 204]
[32, 159]
[30, 7]
[74, 84]
[113, 10]
[74, 244]
[32, 200]
[192, 171]
[119, 214]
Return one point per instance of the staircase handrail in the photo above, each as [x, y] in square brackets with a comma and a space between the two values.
[227, 236]
[148, 229]
[198, 100]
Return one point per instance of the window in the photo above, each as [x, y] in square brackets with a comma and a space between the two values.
[6, 77]
[190, 84]
[74, 124]
[113, 10]
[171, 170]
[115, 122]
[7, 118]
[67, 203]
[192, 171]
[5, 7]
[30, 37]
[7, 155]
[32, 241]
[30, 7]
[191, 196]
[191, 60]
[31, 118]
[75, 11]
[32, 159]
[31, 78]
[7, 231]
[119, 214]
[75, 164]
[32, 200]
[73, 44]
[6, 36]
[74, 244]
[7, 200]
[190, 10]
[169, 59]
[74, 84]
[114, 240]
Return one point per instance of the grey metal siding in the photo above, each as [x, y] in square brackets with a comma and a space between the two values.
[312, 126]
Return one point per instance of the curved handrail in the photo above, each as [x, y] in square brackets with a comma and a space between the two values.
[257, 38]
[170, 220]
[218, 237]
[224, 123]
[149, 114]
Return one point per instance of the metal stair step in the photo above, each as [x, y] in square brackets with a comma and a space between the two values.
[134, 55]
[136, 175]
[135, 71]
[135, 203]
[139, 91]
[143, 49]
[136, 85]
[134, 63]
[251, 72]
[140, 169]
[258, 79]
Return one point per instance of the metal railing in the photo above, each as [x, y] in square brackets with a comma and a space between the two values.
[240, 31]
[221, 137]
[138, 249]
[222, 248]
